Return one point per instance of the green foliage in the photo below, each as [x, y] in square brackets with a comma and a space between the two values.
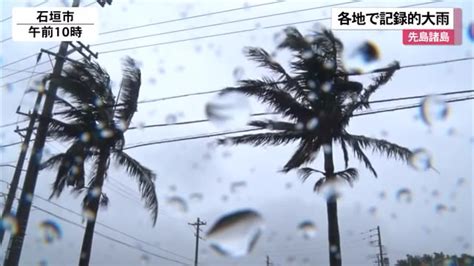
[436, 259]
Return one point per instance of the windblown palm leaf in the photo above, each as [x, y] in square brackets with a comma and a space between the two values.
[92, 119]
[318, 101]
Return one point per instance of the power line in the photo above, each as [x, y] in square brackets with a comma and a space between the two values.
[222, 23]
[103, 224]
[9, 17]
[108, 237]
[177, 41]
[156, 23]
[257, 129]
[389, 109]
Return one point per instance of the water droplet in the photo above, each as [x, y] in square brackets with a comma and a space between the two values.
[235, 234]
[141, 125]
[43, 263]
[326, 87]
[460, 182]
[238, 186]
[178, 204]
[106, 133]
[85, 137]
[441, 208]
[94, 192]
[404, 195]
[470, 31]
[434, 109]
[307, 229]
[327, 149]
[238, 73]
[10, 224]
[307, 54]
[312, 123]
[196, 197]
[435, 193]
[144, 259]
[279, 37]
[368, 51]
[373, 210]
[171, 119]
[9, 87]
[172, 188]
[382, 195]
[299, 126]
[420, 159]
[229, 110]
[224, 198]
[88, 214]
[50, 231]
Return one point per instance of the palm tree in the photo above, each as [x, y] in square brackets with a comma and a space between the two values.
[95, 122]
[317, 101]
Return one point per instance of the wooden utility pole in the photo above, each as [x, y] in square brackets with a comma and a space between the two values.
[19, 165]
[15, 246]
[197, 224]
[268, 261]
[380, 246]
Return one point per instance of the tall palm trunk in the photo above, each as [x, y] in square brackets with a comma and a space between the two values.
[94, 207]
[335, 258]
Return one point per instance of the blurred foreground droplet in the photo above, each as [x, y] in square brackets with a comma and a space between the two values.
[434, 109]
[235, 234]
[50, 231]
[178, 204]
[368, 51]
[420, 159]
[404, 195]
[307, 229]
[10, 224]
[229, 110]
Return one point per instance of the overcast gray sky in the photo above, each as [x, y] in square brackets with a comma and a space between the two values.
[191, 167]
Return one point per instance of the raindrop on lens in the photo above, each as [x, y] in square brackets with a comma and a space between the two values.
[238, 73]
[420, 159]
[307, 229]
[326, 87]
[9, 223]
[441, 208]
[88, 214]
[196, 197]
[171, 119]
[229, 110]
[144, 259]
[368, 51]
[278, 38]
[235, 234]
[404, 195]
[236, 187]
[50, 231]
[178, 204]
[312, 124]
[434, 109]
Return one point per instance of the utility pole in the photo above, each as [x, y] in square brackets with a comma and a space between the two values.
[377, 243]
[21, 160]
[197, 224]
[15, 245]
[380, 245]
[268, 261]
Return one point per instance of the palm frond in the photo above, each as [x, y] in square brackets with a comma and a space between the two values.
[130, 88]
[305, 172]
[306, 152]
[273, 125]
[380, 80]
[383, 147]
[319, 184]
[279, 138]
[63, 131]
[264, 59]
[344, 151]
[267, 91]
[294, 41]
[359, 153]
[349, 175]
[53, 161]
[70, 168]
[145, 178]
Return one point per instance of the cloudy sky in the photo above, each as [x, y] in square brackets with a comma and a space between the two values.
[436, 215]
